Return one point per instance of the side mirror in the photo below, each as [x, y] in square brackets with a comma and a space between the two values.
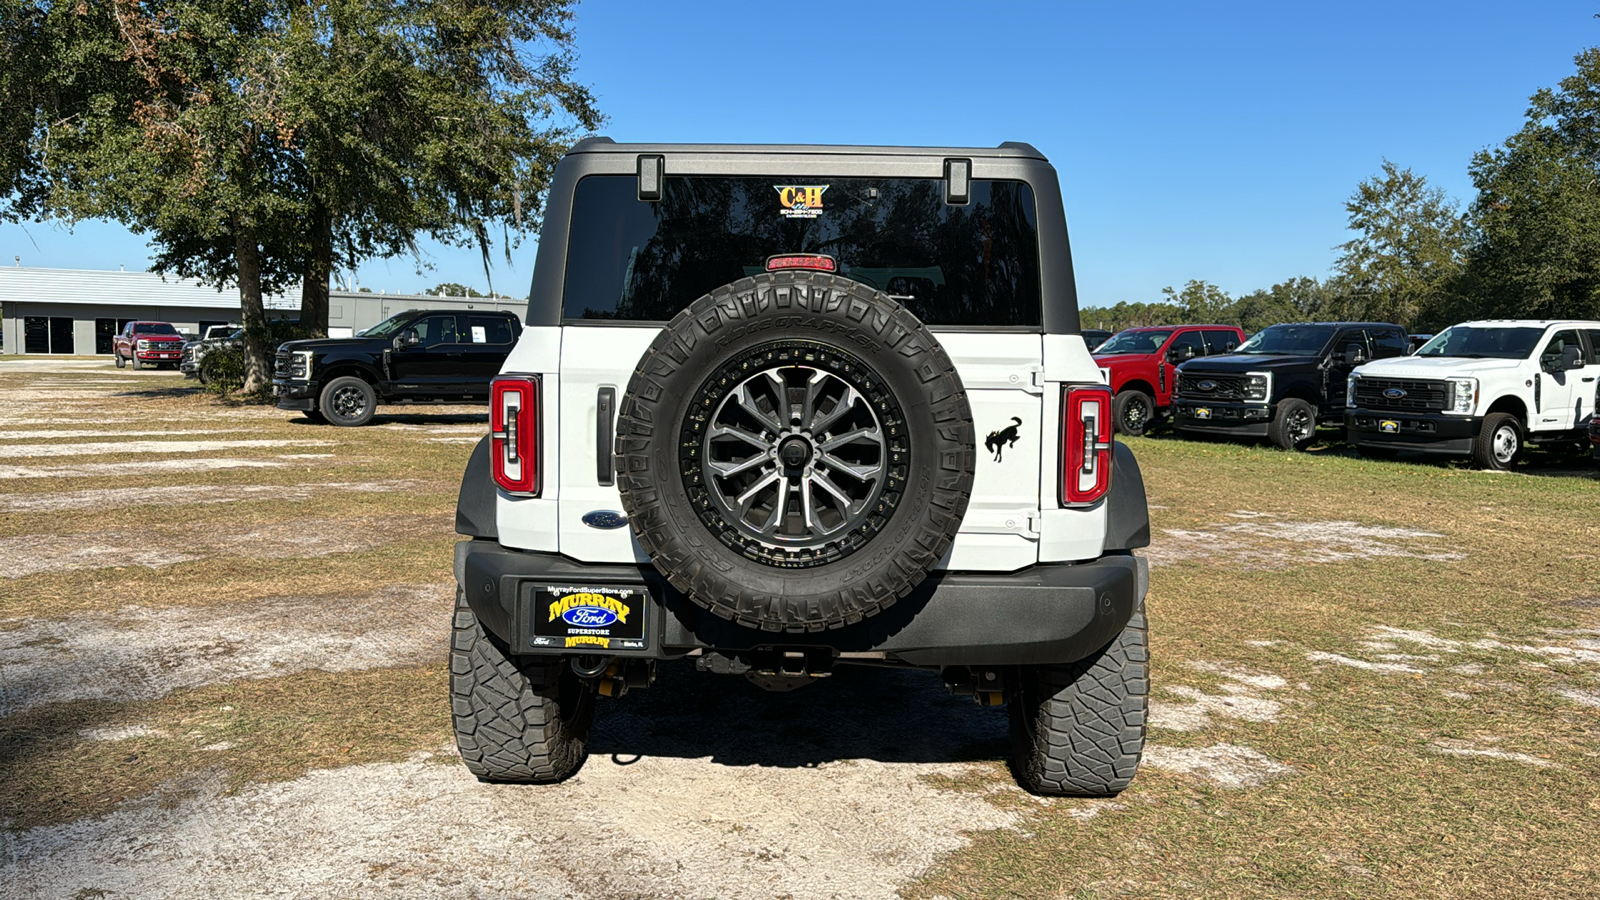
[407, 338]
[1180, 355]
[1572, 358]
[1354, 355]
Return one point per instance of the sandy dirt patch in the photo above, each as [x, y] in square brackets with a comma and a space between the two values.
[699, 787]
[101, 433]
[1226, 765]
[1266, 541]
[152, 467]
[195, 496]
[1466, 748]
[104, 447]
[1241, 698]
[139, 654]
[34, 553]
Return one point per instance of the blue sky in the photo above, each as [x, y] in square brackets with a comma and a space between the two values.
[1212, 141]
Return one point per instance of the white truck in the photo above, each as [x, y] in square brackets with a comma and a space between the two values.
[778, 409]
[1480, 389]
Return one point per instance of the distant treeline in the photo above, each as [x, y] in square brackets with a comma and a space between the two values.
[1528, 246]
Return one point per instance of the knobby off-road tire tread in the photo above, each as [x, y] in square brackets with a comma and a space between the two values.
[508, 728]
[791, 306]
[1078, 730]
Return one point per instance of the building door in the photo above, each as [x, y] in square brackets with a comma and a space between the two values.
[35, 334]
[104, 331]
[61, 339]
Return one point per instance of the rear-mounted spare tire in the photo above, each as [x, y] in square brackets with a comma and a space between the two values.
[795, 451]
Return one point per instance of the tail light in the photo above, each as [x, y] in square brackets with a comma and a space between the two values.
[514, 433]
[816, 262]
[1085, 443]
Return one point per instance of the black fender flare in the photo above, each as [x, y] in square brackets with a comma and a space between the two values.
[475, 504]
[1127, 511]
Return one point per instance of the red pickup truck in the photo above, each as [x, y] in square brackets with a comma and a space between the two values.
[148, 343]
[1140, 365]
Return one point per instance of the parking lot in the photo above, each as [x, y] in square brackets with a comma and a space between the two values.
[222, 672]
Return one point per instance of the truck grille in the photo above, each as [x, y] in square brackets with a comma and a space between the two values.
[280, 364]
[1223, 387]
[1400, 393]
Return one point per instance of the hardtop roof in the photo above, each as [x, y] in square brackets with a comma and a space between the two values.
[1009, 149]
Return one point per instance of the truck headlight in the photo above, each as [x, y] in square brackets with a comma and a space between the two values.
[1350, 392]
[1257, 385]
[1462, 397]
[300, 364]
[143, 345]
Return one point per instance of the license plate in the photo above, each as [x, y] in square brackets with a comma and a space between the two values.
[1202, 412]
[1389, 426]
[579, 617]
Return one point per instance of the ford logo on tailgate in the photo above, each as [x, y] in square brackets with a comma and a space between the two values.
[604, 519]
[1394, 393]
[589, 617]
[1206, 386]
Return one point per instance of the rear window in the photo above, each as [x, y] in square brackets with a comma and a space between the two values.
[971, 265]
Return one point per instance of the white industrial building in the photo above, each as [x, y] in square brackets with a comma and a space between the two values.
[78, 311]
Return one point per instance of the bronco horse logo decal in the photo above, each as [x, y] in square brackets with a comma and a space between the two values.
[997, 441]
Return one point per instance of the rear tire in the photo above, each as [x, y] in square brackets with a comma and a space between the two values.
[1078, 730]
[1133, 412]
[517, 719]
[1294, 425]
[348, 400]
[1499, 442]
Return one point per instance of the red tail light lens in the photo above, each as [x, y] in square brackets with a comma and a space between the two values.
[1085, 444]
[514, 433]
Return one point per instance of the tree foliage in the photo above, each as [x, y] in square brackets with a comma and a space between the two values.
[1408, 248]
[261, 143]
[1536, 251]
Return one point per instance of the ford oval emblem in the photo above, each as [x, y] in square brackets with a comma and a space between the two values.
[1206, 386]
[606, 519]
[589, 617]
[1394, 393]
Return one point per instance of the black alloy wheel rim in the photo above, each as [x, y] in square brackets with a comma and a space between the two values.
[349, 402]
[1136, 414]
[794, 454]
[1300, 425]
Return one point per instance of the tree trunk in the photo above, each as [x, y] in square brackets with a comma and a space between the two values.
[257, 366]
[319, 268]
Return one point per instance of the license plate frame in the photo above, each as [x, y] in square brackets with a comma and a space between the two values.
[1388, 426]
[588, 618]
[1202, 412]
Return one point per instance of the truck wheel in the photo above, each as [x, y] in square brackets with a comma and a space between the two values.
[1294, 425]
[134, 359]
[1498, 443]
[118, 355]
[1078, 730]
[778, 426]
[1133, 411]
[516, 720]
[348, 400]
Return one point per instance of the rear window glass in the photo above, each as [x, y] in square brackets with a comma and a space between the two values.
[490, 329]
[969, 265]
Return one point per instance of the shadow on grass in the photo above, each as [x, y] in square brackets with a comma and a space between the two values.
[886, 715]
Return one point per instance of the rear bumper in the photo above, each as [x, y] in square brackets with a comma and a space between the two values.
[1045, 614]
[1235, 418]
[1422, 432]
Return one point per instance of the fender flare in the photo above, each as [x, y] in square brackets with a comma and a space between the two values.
[1127, 511]
[476, 503]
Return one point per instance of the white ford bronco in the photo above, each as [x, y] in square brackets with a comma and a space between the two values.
[1480, 389]
[777, 409]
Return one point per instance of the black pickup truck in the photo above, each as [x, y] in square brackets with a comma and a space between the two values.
[418, 356]
[1281, 383]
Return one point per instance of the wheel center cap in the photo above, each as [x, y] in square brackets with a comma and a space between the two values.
[795, 452]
